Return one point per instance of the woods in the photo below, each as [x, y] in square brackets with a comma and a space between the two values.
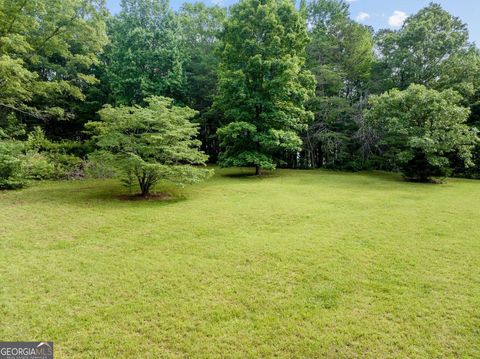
[271, 84]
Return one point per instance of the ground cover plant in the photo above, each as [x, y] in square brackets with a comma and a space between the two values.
[293, 264]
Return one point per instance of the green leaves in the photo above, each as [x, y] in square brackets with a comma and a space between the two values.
[151, 143]
[263, 84]
[46, 50]
[145, 57]
[432, 49]
[421, 128]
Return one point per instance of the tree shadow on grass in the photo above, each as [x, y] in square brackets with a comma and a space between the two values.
[247, 173]
[106, 193]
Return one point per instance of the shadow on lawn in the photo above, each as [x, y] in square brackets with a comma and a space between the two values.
[108, 193]
[247, 173]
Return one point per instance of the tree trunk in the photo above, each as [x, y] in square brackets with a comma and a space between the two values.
[144, 186]
[258, 170]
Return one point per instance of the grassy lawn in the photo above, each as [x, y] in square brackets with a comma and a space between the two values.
[297, 264]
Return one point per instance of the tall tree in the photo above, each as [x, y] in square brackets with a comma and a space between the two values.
[145, 57]
[263, 85]
[431, 49]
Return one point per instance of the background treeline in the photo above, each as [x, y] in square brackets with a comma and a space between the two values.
[62, 61]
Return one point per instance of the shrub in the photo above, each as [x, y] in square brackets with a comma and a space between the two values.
[11, 176]
[37, 166]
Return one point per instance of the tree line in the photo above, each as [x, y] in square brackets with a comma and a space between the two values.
[262, 84]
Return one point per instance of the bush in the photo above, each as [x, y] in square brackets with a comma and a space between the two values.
[67, 166]
[37, 166]
[50, 160]
[11, 176]
[98, 166]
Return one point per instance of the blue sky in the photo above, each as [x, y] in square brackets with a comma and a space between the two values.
[381, 13]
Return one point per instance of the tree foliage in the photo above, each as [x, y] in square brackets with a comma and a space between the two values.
[150, 144]
[145, 57]
[47, 48]
[201, 27]
[270, 85]
[340, 55]
[263, 85]
[419, 128]
[431, 49]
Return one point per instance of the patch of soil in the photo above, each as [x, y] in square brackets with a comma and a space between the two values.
[150, 197]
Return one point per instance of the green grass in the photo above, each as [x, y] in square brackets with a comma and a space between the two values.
[297, 264]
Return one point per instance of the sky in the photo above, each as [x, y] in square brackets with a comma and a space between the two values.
[380, 13]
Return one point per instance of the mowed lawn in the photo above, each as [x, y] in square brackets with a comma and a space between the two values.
[295, 264]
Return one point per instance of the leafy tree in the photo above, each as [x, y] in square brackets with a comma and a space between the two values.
[340, 55]
[46, 50]
[145, 57]
[263, 85]
[432, 49]
[420, 128]
[150, 144]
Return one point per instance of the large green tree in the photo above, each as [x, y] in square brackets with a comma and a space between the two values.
[145, 57]
[150, 144]
[47, 48]
[420, 128]
[263, 84]
[432, 48]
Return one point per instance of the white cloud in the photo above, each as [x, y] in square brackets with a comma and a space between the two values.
[217, 2]
[362, 16]
[397, 19]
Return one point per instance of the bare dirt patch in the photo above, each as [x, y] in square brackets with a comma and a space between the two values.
[150, 197]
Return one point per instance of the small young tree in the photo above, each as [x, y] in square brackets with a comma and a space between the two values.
[419, 128]
[150, 144]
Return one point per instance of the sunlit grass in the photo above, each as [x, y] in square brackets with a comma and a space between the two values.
[296, 264]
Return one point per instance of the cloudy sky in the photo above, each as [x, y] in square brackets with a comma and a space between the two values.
[382, 13]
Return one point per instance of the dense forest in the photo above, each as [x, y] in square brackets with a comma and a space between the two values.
[156, 93]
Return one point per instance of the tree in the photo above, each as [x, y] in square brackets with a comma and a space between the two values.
[150, 144]
[340, 55]
[145, 56]
[263, 84]
[419, 128]
[431, 49]
[46, 50]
